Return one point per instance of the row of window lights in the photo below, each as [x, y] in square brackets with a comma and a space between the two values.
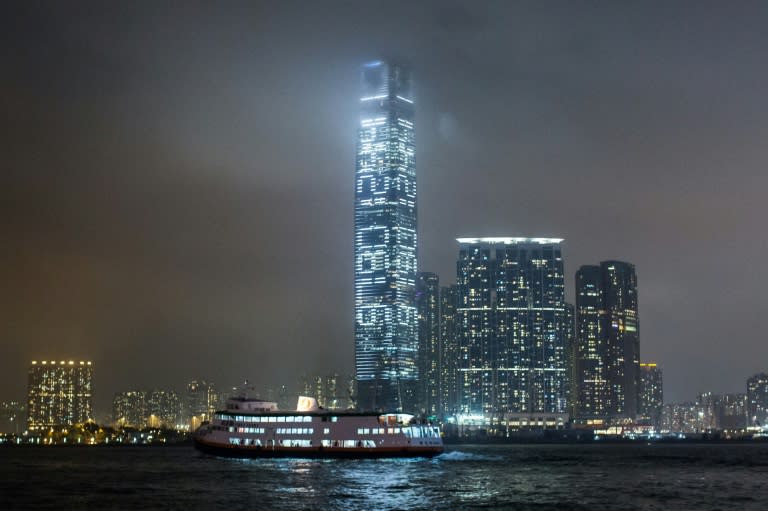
[248, 418]
[284, 443]
[306, 443]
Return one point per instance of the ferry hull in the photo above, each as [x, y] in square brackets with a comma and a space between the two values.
[235, 451]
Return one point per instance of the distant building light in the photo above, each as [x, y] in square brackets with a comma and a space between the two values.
[510, 241]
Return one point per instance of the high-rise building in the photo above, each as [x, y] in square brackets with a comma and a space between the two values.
[733, 411]
[386, 343]
[129, 409]
[332, 391]
[683, 418]
[570, 355]
[58, 393]
[201, 401]
[591, 353]
[512, 322]
[449, 350]
[141, 409]
[757, 399]
[608, 338]
[428, 310]
[163, 408]
[651, 394]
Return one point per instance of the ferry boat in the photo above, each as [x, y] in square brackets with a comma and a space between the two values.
[256, 428]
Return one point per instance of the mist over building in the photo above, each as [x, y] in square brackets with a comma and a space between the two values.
[386, 346]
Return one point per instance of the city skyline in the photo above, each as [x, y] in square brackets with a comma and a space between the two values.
[172, 218]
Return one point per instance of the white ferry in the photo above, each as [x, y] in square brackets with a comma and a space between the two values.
[256, 428]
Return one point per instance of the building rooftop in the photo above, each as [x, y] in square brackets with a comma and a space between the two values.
[509, 241]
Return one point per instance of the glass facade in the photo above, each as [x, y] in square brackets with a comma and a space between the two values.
[386, 342]
[512, 323]
[608, 351]
[59, 393]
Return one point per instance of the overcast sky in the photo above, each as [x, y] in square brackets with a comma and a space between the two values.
[176, 192]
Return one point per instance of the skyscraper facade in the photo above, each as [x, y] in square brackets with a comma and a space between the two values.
[591, 399]
[428, 310]
[386, 345]
[201, 401]
[512, 322]
[129, 409]
[651, 394]
[449, 350]
[757, 399]
[58, 393]
[608, 337]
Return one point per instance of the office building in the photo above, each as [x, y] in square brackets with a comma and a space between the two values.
[201, 401]
[141, 409]
[512, 326]
[163, 409]
[58, 393]
[651, 394]
[608, 343]
[733, 411]
[757, 399]
[386, 344]
[449, 351]
[428, 310]
[683, 418]
[129, 409]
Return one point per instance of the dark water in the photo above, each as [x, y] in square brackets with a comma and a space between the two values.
[535, 477]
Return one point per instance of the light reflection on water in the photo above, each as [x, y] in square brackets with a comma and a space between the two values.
[705, 477]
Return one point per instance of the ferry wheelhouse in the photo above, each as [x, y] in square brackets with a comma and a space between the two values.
[256, 428]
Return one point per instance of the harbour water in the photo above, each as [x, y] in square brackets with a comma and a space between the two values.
[704, 477]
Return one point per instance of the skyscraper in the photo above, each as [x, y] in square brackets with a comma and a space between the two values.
[757, 399]
[449, 350]
[129, 409]
[512, 322]
[428, 310]
[58, 393]
[651, 394]
[591, 346]
[201, 401]
[608, 351]
[385, 240]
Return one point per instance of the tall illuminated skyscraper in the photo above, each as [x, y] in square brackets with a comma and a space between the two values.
[59, 393]
[385, 240]
[512, 323]
[608, 352]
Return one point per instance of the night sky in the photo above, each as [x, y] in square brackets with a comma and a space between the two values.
[176, 193]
